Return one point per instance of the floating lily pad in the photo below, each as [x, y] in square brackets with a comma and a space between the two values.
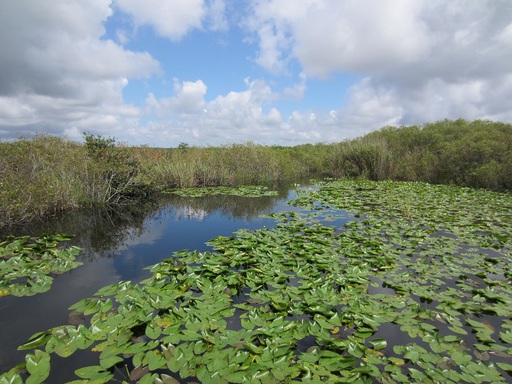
[28, 265]
[244, 190]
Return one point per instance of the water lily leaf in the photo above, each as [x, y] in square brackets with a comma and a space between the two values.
[397, 361]
[177, 362]
[505, 366]
[166, 379]
[155, 360]
[138, 372]
[63, 349]
[379, 344]
[38, 366]
[417, 375]
[153, 331]
[355, 349]
[506, 337]
[11, 377]
[94, 373]
[148, 379]
[412, 354]
[36, 340]
[309, 357]
[460, 358]
[109, 358]
[459, 330]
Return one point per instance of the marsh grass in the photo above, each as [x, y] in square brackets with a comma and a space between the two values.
[45, 175]
[39, 176]
[236, 164]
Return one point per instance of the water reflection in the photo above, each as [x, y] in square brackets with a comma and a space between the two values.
[100, 230]
[117, 244]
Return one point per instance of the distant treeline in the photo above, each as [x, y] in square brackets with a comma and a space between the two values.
[44, 175]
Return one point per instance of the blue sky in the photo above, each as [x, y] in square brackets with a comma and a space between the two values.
[215, 72]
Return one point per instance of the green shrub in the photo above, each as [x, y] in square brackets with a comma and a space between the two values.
[111, 171]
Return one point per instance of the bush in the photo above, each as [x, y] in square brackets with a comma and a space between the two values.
[39, 176]
[111, 172]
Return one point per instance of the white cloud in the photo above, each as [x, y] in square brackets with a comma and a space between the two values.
[421, 60]
[57, 71]
[236, 117]
[188, 99]
[217, 15]
[333, 35]
[170, 19]
[412, 60]
[370, 107]
[361, 38]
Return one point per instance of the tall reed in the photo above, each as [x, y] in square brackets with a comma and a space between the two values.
[38, 177]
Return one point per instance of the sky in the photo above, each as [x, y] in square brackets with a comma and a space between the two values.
[273, 72]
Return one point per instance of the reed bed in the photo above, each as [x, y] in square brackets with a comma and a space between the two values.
[45, 175]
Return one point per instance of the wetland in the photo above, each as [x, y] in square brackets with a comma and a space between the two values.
[349, 281]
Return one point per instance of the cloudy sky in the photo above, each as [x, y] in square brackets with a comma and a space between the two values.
[213, 72]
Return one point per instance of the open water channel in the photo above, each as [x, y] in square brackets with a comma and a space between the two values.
[451, 292]
[117, 245]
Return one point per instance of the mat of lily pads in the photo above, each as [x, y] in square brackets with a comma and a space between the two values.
[417, 288]
[244, 190]
[29, 265]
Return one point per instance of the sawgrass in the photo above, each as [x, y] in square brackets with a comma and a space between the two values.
[45, 175]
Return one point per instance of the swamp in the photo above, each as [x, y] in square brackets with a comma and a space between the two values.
[390, 263]
[337, 281]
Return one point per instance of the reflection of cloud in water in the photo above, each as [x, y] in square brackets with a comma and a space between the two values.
[190, 213]
[153, 230]
[154, 227]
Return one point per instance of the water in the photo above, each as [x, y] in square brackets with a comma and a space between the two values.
[117, 245]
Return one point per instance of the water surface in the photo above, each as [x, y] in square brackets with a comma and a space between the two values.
[117, 244]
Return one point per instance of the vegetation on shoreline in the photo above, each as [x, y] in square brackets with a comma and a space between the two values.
[45, 175]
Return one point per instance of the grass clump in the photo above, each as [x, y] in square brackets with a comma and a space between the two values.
[38, 177]
[230, 165]
[46, 175]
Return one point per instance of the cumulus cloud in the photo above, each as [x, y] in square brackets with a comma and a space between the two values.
[188, 99]
[170, 19]
[57, 71]
[409, 61]
[245, 115]
[234, 117]
[433, 59]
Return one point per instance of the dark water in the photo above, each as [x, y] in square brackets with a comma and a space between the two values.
[117, 245]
